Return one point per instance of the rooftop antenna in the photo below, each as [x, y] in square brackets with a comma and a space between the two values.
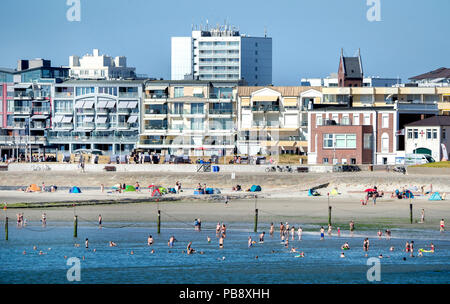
[265, 32]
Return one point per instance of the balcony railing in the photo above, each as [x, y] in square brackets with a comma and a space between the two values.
[156, 112]
[64, 94]
[220, 112]
[103, 125]
[109, 139]
[86, 125]
[65, 126]
[156, 96]
[37, 125]
[266, 108]
[128, 94]
[22, 139]
[41, 109]
[22, 110]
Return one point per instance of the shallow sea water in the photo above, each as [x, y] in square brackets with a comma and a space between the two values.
[234, 264]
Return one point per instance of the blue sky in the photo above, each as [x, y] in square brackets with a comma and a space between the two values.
[307, 35]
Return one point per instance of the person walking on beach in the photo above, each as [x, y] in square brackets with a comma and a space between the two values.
[322, 231]
[102, 188]
[100, 221]
[442, 226]
[352, 227]
[422, 216]
[338, 231]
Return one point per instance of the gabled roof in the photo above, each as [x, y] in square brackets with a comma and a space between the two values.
[438, 120]
[352, 67]
[438, 73]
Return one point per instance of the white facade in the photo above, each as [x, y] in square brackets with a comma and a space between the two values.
[332, 81]
[98, 66]
[181, 64]
[218, 55]
[428, 137]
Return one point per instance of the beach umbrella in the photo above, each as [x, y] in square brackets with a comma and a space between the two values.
[370, 190]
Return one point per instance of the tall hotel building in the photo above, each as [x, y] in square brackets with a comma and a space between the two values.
[221, 53]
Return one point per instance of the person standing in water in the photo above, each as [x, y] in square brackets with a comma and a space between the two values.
[100, 221]
[329, 229]
[272, 229]
[388, 234]
[379, 233]
[366, 244]
[411, 248]
[218, 228]
[442, 226]
[352, 227]
[292, 232]
[86, 243]
[250, 243]
[44, 219]
[299, 233]
[261, 237]
[322, 231]
[221, 242]
[150, 240]
[338, 231]
[281, 228]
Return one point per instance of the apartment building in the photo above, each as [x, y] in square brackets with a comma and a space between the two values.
[222, 53]
[96, 114]
[273, 120]
[189, 117]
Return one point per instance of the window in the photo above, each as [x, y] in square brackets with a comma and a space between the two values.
[366, 98]
[367, 119]
[410, 133]
[328, 140]
[84, 90]
[197, 124]
[416, 133]
[325, 160]
[385, 143]
[178, 92]
[197, 108]
[385, 121]
[443, 133]
[177, 108]
[428, 133]
[356, 119]
[434, 133]
[319, 120]
[339, 141]
[368, 141]
[345, 120]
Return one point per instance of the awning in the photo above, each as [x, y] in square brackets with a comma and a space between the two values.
[101, 119]
[123, 105]
[102, 104]
[67, 119]
[111, 104]
[88, 119]
[198, 91]
[156, 88]
[132, 104]
[245, 101]
[39, 117]
[290, 102]
[132, 119]
[265, 98]
[57, 118]
[88, 105]
[79, 104]
[22, 86]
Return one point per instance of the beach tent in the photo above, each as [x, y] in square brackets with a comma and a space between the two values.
[34, 188]
[312, 192]
[334, 192]
[217, 191]
[255, 188]
[435, 197]
[156, 192]
[162, 190]
[409, 194]
[74, 190]
[130, 188]
[172, 190]
[209, 191]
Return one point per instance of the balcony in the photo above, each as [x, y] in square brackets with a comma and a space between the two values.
[92, 139]
[102, 111]
[14, 140]
[156, 112]
[22, 110]
[86, 125]
[103, 126]
[221, 96]
[23, 96]
[18, 125]
[156, 96]
[39, 126]
[41, 110]
[220, 112]
[266, 109]
[128, 95]
[63, 126]
[88, 111]
[64, 95]
[123, 126]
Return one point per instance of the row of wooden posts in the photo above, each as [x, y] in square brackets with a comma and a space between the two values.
[75, 220]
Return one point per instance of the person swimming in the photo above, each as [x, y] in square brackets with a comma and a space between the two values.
[342, 255]
[345, 246]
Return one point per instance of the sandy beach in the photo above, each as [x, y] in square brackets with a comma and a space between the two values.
[283, 197]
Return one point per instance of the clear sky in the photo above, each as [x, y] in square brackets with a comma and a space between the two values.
[411, 38]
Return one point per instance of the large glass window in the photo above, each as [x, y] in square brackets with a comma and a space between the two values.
[108, 90]
[197, 124]
[177, 108]
[197, 108]
[84, 90]
[368, 141]
[339, 141]
[221, 108]
[178, 92]
[385, 121]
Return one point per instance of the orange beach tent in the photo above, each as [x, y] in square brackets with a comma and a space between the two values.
[34, 188]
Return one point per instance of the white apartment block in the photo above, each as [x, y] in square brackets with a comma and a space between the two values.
[221, 54]
[96, 66]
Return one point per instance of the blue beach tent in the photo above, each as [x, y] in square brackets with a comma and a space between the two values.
[312, 192]
[74, 190]
[435, 197]
[255, 188]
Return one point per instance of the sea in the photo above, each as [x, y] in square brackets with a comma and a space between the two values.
[34, 254]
